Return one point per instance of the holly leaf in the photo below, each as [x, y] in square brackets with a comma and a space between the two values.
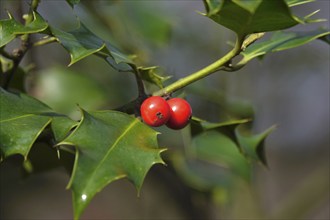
[281, 41]
[253, 145]
[22, 119]
[149, 74]
[217, 148]
[10, 28]
[199, 125]
[110, 145]
[80, 42]
[214, 162]
[251, 16]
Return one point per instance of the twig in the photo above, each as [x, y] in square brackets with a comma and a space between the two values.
[18, 54]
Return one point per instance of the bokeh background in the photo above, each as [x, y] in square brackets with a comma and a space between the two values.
[289, 89]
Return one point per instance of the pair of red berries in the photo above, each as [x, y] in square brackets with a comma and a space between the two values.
[175, 113]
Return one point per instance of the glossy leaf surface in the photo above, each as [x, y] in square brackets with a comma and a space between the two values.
[246, 17]
[22, 119]
[110, 145]
[10, 28]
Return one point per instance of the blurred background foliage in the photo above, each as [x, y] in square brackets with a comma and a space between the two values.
[290, 89]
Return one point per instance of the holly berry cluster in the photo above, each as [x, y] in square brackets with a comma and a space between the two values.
[175, 113]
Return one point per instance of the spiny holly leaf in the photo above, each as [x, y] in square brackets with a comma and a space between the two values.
[247, 17]
[117, 59]
[281, 41]
[110, 145]
[10, 28]
[61, 127]
[149, 74]
[214, 162]
[22, 119]
[80, 43]
[217, 148]
[199, 125]
[253, 145]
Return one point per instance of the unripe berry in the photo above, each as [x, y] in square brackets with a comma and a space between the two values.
[155, 111]
[180, 113]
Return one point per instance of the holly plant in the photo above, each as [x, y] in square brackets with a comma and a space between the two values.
[121, 141]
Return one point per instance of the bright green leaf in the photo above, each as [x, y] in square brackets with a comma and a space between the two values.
[281, 41]
[292, 3]
[253, 145]
[10, 28]
[247, 17]
[110, 145]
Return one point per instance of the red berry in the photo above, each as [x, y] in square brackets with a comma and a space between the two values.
[155, 111]
[180, 113]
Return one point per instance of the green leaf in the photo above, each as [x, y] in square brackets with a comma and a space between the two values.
[215, 147]
[253, 145]
[23, 118]
[117, 59]
[247, 17]
[80, 43]
[149, 74]
[10, 28]
[199, 125]
[110, 145]
[281, 41]
[292, 3]
[61, 127]
[214, 162]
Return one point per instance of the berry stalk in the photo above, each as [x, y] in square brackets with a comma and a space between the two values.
[179, 84]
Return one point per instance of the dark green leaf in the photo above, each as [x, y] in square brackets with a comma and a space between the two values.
[217, 148]
[80, 43]
[149, 74]
[10, 28]
[253, 145]
[247, 17]
[23, 119]
[281, 41]
[110, 145]
[199, 125]
[62, 126]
